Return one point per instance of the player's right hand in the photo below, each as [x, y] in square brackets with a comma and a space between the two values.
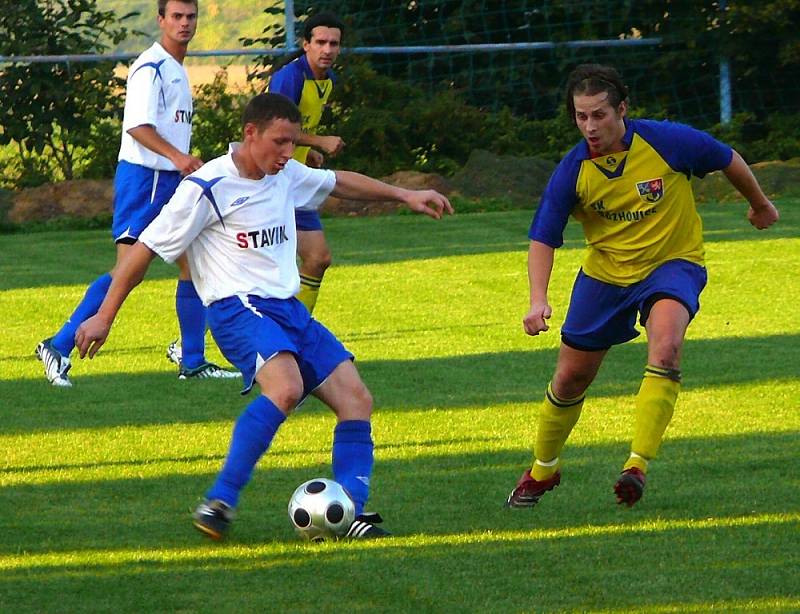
[187, 164]
[91, 335]
[331, 145]
[534, 321]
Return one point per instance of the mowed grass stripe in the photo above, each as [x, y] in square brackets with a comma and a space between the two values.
[239, 553]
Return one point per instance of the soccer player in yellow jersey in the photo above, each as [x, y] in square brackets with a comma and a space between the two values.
[628, 183]
[308, 82]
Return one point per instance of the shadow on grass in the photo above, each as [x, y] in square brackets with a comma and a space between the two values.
[709, 529]
[78, 257]
[452, 382]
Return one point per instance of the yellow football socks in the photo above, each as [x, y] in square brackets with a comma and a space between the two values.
[556, 419]
[309, 291]
[655, 405]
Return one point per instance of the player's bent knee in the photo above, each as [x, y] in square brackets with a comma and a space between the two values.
[285, 398]
[570, 383]
[280, 381]
[316, 264]
[358, 404]
[666, 353]
[666, 360]
[362, 403]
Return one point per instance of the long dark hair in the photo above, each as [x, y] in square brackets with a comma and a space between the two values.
[591, 79]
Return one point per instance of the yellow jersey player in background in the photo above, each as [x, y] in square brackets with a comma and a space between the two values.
[628, 183]
[308, 82]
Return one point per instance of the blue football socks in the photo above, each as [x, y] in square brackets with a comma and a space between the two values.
[192, 321]
[353, 457]
[252, 436]
[64, 339]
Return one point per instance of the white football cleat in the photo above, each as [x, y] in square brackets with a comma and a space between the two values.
[56, 365]
[175, 352]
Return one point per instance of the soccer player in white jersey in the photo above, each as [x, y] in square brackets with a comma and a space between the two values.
[234, 219]
[153, 155]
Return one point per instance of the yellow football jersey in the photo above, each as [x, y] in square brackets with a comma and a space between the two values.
[296, 81]
[636, 206]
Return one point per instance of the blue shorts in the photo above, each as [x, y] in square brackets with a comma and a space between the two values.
[249, 331]
[307, 220]
[601, 315]
[139, 195]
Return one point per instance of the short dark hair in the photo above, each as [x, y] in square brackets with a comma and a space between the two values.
[162, 5]
[329, 20]
[263, 108]
[591, 79]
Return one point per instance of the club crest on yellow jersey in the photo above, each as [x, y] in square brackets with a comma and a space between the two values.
[652, 190]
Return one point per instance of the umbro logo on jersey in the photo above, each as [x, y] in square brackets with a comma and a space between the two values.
[178, 80]
[240, 201]
[652, 190]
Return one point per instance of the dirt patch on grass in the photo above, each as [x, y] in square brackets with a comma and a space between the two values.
[518, 181]
[84, 198]
[777, 179]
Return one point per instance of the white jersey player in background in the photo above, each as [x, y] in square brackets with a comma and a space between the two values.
[234, 220]
[153, 156]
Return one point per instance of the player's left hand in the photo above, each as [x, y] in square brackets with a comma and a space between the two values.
[763, 217]
[429, 202]
[314, 159]
[91, 335]
[331, 145]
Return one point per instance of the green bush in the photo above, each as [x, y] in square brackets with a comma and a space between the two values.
[389, 125]
[777, 137]
[98, 160]
[217, 118]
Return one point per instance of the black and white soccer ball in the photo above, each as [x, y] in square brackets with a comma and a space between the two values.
[321, 509]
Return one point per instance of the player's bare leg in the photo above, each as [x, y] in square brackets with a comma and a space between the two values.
[558, 414]
[315, 258]
[281, 389]
[353, 449]
[655, 403]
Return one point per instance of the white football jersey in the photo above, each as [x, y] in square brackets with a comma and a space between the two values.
[239, 234]
[157, 94]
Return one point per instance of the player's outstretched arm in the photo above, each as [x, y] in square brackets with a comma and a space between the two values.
[356, 186]
[762, 213]
[540, 266]
[92, 334]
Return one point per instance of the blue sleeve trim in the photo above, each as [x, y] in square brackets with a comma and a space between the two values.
[559, 199]
[288, 81]
[686, 149]
[206, 187]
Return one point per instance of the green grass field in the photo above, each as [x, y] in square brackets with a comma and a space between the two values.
[97, 482]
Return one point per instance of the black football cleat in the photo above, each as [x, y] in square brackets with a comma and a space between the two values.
[213, 518]
[363, 527]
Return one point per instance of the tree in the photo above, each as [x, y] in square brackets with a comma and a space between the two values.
[50, 109]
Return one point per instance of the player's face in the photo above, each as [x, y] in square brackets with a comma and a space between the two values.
[323, 48]
[179, 22]
[272, 147]
[600, 124]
